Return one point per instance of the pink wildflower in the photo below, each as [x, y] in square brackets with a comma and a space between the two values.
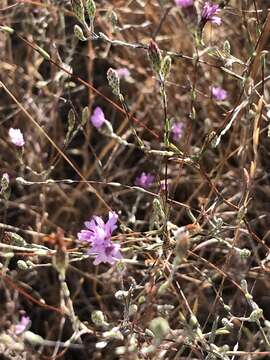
[219, 94]
[209, 13]
[98, 235]
[177, 131]
[184, 3]
[98, 117]
[16, 137]
[22, 326]
[123, 72]
[145, 180]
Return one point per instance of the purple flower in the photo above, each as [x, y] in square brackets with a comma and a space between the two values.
[177, 131]
[22, 326]
[98, 235]
[16, 137]
[98, 117]
[209, 12]
[123, 72]
[184, 3]
[145, 180]
[219, 94]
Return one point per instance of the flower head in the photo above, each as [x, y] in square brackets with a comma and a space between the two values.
[184, 3]
[145, 180]
[22, 326]
[177, 131]
[219, 94]
[123, 72]
[98, 117]
[16, 137]
[98, 235]
[209, 13]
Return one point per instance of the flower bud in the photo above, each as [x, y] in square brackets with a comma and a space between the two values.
[256, 315]
[121, 294]
[227, 324]
[78, 8]
[85, 116]
[154, 56]
[33, 338]
[244, 253]
[166, 66]
[114, 333]
[98, 318]
[4, 182]
[22, 265]
[114, 81]
[91, 8]
[78, 32]
[4, 186]
[160, 327]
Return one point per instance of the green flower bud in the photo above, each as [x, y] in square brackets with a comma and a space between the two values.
[78, 9]
[4, 182]
[78, 32]
[256, 315]
[22, 265]
[85, 116]
[227, 324]
[114, 333]
[244, 253]
[166, 66]
[114, 81]
[91, 9]
[98, 318]
[16, 239]
[160, 328]
[154, 56]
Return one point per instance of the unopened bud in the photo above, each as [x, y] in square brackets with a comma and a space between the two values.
[22, 265]
[98, 318]
[154, 56]
[227, 324]
[244, 253]
[4, 186]
[78, 32]
[78, 9]
[121, 295]
[114, 81]
[160, 327]
[107, 128]
[256, 315]
[91, 8]
[193, 321]
[4, 182]
[33, 338]
[114, 333]
[166, 66]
